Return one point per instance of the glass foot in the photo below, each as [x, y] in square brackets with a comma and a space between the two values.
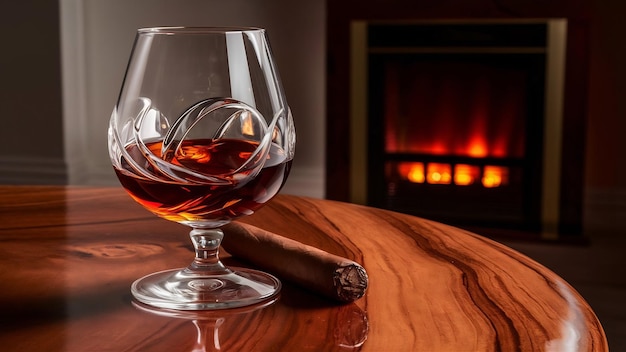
[185, 290]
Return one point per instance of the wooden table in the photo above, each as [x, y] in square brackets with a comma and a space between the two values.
[69, 255]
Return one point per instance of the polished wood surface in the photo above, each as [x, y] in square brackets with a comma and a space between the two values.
[69, 255]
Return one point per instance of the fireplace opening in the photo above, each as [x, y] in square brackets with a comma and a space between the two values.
[462, 121]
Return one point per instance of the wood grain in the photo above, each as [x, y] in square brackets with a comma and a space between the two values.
[69, 255]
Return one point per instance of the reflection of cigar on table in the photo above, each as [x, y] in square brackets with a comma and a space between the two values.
[328, 274]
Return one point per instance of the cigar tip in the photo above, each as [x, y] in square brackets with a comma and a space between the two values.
[350, 281]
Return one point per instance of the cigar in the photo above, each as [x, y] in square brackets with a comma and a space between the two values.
[330, 275]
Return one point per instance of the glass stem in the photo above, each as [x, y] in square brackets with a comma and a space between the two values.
[206, 243]
[208, 335]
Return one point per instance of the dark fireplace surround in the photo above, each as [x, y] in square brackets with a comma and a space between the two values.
[476, 122]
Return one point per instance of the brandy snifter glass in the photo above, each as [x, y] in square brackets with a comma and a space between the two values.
[202, 134]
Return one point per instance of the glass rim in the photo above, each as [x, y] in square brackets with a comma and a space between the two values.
[196, 30]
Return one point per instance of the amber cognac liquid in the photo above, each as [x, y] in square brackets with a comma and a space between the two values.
[192, 202]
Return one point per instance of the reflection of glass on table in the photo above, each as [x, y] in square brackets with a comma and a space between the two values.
[350, 327]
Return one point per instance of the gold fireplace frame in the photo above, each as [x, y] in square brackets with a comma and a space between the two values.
[555, 49]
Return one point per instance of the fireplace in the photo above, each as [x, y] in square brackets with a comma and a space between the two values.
[459, 121]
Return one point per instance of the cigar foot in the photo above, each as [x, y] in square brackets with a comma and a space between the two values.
[351, 282]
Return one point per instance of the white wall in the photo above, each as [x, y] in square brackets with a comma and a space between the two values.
[97, 37]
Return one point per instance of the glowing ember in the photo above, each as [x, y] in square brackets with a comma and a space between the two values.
[416, 173]
[464, 175]
[494, 176]
[438, 173]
